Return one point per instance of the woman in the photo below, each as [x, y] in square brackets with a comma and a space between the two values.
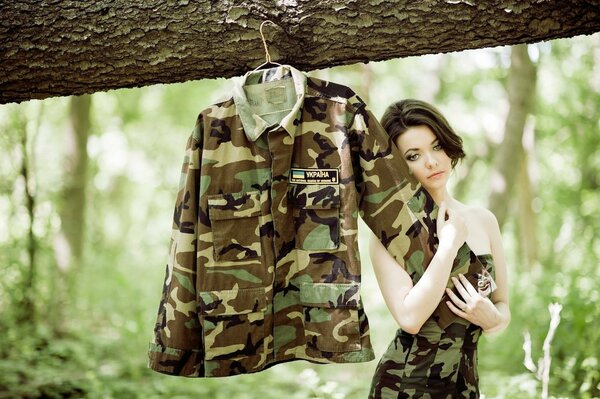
[424, 360]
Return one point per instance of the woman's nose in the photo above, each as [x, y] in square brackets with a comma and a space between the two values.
[431, 161]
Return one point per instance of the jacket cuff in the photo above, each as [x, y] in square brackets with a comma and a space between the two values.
[178, 362]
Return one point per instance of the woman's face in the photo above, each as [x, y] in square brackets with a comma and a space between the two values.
[425, 157]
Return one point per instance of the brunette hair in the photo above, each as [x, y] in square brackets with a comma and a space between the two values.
[404, 114]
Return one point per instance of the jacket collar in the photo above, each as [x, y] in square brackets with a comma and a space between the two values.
[253, 124]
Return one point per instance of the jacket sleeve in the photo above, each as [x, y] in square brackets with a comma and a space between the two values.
[391, 201]
[399, 210]
[177, 345]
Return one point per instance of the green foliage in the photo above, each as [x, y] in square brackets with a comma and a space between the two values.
[93, 344]
[567, 146]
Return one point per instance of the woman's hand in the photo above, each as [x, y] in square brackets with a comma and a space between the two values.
[452, 232]
[472, 306]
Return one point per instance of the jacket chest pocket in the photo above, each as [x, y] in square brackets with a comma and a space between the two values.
[233, 322]
[316, 210]
[235, 225]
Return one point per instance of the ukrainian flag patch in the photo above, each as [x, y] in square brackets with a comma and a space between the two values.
[313, 176]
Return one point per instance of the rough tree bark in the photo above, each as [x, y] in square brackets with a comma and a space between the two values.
[66, 47]
[509, 155]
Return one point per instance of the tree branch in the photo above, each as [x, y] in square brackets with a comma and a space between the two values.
[67, 47]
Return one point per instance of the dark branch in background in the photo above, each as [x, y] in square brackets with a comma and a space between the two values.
[29, 282]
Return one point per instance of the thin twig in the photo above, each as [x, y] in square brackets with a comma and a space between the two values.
[542, 370]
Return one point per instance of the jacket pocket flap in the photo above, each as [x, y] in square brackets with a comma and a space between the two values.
[234, 205]
[314, 196]
[233, 302]
[327, 295]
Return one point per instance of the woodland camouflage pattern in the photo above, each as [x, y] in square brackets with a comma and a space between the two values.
[436, 363]
[262, 270]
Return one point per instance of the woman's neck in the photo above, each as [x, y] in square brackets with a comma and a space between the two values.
[441, 195]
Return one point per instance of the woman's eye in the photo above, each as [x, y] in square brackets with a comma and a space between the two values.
[412, 157]
[437, 147]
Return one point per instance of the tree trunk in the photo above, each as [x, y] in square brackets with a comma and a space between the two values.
[68, 244]
[527, 220]
[28, 314]
[73, 205]
[73, 47]
[509, 156]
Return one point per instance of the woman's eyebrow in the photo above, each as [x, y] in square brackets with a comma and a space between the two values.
[416, 149]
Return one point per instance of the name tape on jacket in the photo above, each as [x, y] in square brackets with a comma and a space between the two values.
[314, 176]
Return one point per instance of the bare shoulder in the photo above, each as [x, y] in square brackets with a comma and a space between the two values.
[486, 218]
[480, 215]
[486, 215]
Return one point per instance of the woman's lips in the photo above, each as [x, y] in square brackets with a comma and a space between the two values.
[436, 175]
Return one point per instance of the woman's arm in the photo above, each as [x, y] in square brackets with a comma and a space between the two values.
[490, 314]
[500, 295]
[412, 305]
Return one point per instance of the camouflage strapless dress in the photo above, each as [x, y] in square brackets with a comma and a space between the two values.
[435, 363]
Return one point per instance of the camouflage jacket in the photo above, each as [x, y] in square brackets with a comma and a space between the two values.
[264, 264]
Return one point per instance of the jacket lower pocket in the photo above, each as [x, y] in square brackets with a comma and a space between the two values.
[331, 316]
[233, 322]
[235, 225]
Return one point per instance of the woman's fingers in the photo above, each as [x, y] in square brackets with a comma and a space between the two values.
[467, 284]
[456, 310]
[461, 290]
[456, 300]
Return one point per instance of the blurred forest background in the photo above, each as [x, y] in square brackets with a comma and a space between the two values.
[88, 184]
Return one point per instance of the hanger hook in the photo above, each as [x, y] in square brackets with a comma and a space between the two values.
[262, 35]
